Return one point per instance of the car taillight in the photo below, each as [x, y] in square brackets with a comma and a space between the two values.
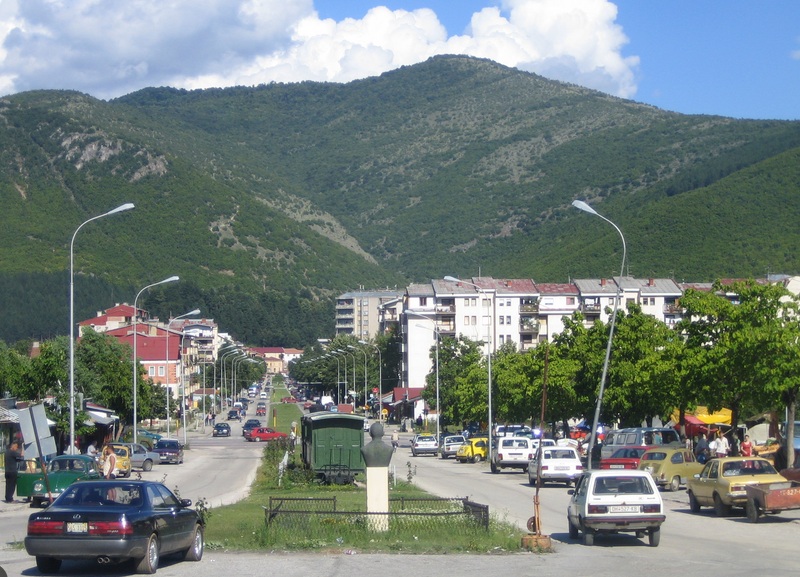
[578, 467]
[116, 527]
[41, 527]
[545, 467]
[500, 457]
[651, 508]
[595, 509]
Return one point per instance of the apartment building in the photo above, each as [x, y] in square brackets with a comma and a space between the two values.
[360, 313]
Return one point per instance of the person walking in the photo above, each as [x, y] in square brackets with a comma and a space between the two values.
[746, 448]
[395, 440]
[721, 447]
[14, 456]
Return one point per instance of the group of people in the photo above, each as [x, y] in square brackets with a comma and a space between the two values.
[717, 445]
[211, 419]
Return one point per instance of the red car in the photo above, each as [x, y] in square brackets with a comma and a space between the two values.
[624, 458]
[264, 434]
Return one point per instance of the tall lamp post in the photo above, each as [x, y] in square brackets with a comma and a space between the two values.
[437, 336]
[362, 351]
[222, 375]
[166, 373]
[580, 205]
[490, 345]
[380, 379]
[126, 206]
[135, 359]
[338, 374]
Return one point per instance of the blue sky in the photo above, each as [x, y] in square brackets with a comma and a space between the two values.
[738, 58]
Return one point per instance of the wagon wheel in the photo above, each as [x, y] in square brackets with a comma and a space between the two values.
[753, 510]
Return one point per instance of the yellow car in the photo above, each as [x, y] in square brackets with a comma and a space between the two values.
[721, 484]
[474, 450]
[670, 467]
[123, 468]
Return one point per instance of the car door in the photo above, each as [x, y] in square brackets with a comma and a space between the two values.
[578, 501]
[703, 487]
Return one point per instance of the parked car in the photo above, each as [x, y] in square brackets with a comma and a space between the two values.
[169, 451]
[112, 521]
[264, 434]
[623, 458]
[511, 453]
[474, 450]
[450, 444]
[221, 430]
[607, 502]
[424, 445]
[62, 471]
[234, 415]
[261, 410]
[149, 436]
[123, 466]
[249, 425]
[512, 430]
[670, 467]
[141, 457]
[721, 484]
[558, 464]
[263, 395]
[642, 436]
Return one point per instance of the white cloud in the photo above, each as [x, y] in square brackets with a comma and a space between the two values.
[112, 48]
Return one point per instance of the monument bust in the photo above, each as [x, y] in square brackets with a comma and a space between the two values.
[376, 453]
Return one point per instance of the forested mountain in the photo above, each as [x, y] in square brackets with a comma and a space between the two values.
[267, 201]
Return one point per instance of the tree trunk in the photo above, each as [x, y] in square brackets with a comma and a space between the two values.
[791, 411]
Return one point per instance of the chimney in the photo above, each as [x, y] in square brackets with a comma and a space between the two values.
[602, 282]
[651, 282]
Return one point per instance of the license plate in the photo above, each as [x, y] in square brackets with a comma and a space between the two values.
[77, 528]
[562, 468]
[617, 467]
[623, 509]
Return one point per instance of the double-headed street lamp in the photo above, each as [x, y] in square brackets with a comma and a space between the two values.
[579, 204]
[121, 208]
[135, 360]
[490, 344]
[437, 336]
[380, 379]
[362, 351]
[166, 375]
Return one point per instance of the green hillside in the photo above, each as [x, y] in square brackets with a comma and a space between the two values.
[270, 200]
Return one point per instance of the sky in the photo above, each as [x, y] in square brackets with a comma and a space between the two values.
[737, 58]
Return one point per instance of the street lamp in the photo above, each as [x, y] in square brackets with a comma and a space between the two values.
[362, 351]
[135, 360]
[490, 346]
[331, 355]
[380, 379]
[437, 336]
[222, 375]
[580, 205]
[120, 208]
[166, 377]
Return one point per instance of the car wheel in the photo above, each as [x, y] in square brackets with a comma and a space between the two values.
[149, 563]
[494, 468]
[694, 504]
[752, 511]
[147, 465]
[573, 530]
[476, 458]
[195, 551]
[675, 484]
[48, 564]
[720, 508]
[35, 503]
[654, 536]
[588, 537]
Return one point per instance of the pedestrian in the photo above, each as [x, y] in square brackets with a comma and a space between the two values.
[721, 447]
[109, 463]
[213, 418]
[395, 440]
[746, 448]
[91, 450]
[14, 456]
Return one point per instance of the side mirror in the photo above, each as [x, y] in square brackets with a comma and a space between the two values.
[571, 492]
[186, 502]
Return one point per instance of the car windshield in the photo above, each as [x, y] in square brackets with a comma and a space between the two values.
[65, 465]
[167, 445]
[560, 454]
[622, 485]
[631, 453]
[747, 467]
[658, 456]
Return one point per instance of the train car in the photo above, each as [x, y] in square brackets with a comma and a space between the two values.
[331, 445]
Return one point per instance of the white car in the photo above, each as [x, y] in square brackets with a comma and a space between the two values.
[615, 501]
[558, 464]
[450, 445]
[424, 445]
[511, 453]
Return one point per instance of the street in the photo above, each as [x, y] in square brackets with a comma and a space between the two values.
[220, 470]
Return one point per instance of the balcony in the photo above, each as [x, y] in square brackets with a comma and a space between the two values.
[529, 308]
[446, 309]
[529, 327]
[591, 308]
[672, 309]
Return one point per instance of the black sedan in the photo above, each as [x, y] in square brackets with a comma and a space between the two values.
[221, 430]
[115, 521]
[249, 425]
[169, 451]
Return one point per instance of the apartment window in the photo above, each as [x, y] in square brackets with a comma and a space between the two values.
[161, 371]
[570, 300]
[508, 338]
[474, 320]
[466, 320]
[473, 301]
[500, 303]
[423, 301]
[501, 339]
[508, 302]
[502, 319]
[508, 320]
[151, 371]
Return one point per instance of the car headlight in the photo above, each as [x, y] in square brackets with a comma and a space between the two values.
[38, 486]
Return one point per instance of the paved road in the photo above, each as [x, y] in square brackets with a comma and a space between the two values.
[692, 544]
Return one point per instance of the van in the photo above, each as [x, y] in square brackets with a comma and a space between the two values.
[641, 436]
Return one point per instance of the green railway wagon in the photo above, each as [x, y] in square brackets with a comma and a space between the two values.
[331, 444]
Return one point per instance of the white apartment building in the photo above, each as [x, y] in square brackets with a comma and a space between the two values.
[359, 313]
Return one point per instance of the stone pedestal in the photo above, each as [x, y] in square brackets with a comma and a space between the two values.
[377, 456]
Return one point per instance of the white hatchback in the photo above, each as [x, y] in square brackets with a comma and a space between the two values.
[615, 501]
[558, 464]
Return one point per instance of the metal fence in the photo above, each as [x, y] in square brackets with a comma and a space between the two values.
[315, 518]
